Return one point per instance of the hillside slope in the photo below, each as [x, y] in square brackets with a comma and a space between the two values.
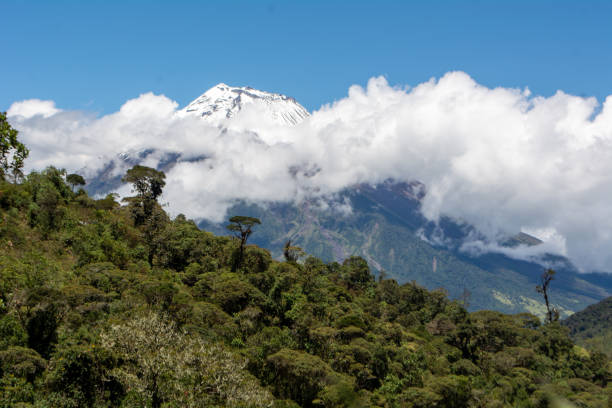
[103, 305]
[592, 327]
[386, 228]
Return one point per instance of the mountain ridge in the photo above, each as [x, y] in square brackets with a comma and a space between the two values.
[386, 228]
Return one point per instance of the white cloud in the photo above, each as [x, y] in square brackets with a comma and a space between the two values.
[554, 245]
[33, 107]
[500, 159]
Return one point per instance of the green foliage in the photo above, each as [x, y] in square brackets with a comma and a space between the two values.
[10, 148]
[383, 228]
[49, 195]
[292, 253]
[455, 390]
[256, 259]
[42, 328]
[148, 185]
[162, 367]
[357, 273]
[78, 375]
[592, 327]
[98, 309]
[229, 291]
[242, 228]
[75, 180]
[11, 332]
[21, 362]
[299, 376]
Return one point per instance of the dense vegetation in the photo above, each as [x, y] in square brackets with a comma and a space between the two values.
[385, 226]
[592, 327]
[109, 305]
[103, 305]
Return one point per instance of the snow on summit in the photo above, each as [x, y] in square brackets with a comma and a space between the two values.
[223, 101]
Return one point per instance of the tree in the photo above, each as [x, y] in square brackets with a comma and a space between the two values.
[357, 272]
[148, 184]
[49, 195]
[160, 365]
[292, 253]
[552, 314]
[147, 345]
[153, 228]
[242, 227]
[75, 180]
[10, 149]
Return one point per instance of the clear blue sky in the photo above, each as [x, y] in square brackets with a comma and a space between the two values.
[94, 55]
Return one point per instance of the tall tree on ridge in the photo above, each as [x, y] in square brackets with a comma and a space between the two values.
[75, 180]
[148, 184]
[552, 314]
[242, 227]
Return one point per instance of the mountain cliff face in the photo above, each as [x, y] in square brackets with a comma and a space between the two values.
[224, 102]
[383, 224]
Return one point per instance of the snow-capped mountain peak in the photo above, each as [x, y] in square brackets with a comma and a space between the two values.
[223, 101]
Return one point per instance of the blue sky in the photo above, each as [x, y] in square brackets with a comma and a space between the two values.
[472, 147]
[95, 55]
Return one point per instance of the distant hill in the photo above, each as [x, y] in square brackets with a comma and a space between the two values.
[592, 327]
[386, 227]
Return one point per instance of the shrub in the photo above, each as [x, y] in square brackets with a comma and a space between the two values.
[256, 259]
[298, 375]
[21, 362]
[80, 373]
[11, 332]
[162, 365]
[233, 293]
[356, 272]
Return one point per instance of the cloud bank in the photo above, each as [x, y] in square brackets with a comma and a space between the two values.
[500, 159]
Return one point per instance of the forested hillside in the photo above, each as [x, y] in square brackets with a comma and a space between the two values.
[385, 226]
[107, 305]
[592, 327]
